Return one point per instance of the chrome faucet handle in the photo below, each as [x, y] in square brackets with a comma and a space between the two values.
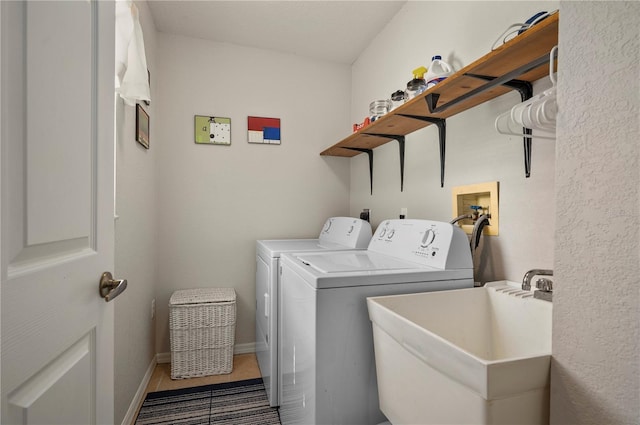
[526, 280]
[545, 285]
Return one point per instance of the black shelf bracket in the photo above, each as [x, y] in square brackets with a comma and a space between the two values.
[442, 137]
[401, 147]
[525, 89]
[370, 153]
[400, 140]
[432, 98]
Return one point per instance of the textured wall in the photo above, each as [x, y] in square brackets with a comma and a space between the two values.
[216, 201]
[596, 326]
[135, 237]
[475, 152]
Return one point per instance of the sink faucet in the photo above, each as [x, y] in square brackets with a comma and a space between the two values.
[526, 280]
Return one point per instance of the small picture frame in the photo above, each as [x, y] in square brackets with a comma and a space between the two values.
[264, 131]
[212, 130]
[142, 126]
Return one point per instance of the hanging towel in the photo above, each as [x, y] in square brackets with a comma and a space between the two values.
[132, 81]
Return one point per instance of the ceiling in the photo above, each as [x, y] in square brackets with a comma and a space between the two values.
[332, 30]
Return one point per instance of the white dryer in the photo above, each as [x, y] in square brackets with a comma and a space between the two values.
[328, 373]
[338, 233]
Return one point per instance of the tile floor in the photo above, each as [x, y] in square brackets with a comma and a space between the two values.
[245, 366]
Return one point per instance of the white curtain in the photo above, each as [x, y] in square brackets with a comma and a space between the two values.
[132, 82]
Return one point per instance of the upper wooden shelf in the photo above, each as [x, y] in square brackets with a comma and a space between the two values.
[523, 58]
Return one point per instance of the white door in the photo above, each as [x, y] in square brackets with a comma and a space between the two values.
[57, 73]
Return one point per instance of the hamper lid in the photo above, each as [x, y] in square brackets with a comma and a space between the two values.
[202, 295]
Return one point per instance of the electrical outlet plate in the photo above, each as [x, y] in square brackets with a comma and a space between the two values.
[482, 194]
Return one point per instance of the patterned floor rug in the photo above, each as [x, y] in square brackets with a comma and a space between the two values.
[233, 403]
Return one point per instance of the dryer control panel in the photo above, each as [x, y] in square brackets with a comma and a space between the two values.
[433, 243]
[348, 231]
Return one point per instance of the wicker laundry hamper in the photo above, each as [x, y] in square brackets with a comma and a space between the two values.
[202, 324]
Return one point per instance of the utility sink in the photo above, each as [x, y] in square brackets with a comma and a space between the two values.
[467, 356]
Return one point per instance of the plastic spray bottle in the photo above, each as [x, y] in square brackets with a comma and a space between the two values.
[417, 85]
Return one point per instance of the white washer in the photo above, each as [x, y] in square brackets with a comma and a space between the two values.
[327, 360]
[338, 233]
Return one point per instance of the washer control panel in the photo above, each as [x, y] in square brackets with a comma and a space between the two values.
[424, 241]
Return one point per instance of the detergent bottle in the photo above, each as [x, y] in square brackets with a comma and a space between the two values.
[438, 71]
[417, 85]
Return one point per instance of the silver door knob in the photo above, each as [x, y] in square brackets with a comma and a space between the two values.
[110, 287]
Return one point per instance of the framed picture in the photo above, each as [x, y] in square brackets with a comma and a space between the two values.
[212, 130]
[264, 131]
[142, 126]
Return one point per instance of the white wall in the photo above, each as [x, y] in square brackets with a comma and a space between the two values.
[214, 202]
[135, 237]
[475, 153]
[595, 374]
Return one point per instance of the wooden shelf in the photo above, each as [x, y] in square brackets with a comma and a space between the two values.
[525, 59]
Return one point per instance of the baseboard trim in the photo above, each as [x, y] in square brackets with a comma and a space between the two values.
[138, 398]
[247, 348]
[163, 357]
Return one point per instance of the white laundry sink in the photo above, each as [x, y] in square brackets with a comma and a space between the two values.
[467, 356]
